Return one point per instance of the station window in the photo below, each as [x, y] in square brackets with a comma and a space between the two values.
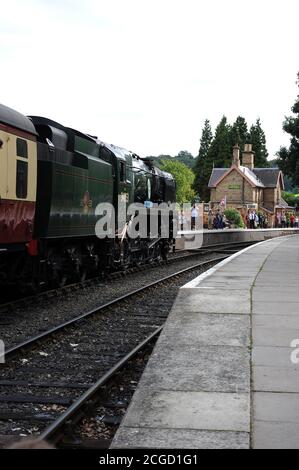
[122, 175]
[22, 179]
[22, 148]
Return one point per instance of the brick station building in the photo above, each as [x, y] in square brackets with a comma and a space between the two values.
[245, 187]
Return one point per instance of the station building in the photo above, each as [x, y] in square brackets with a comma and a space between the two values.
[244, 187]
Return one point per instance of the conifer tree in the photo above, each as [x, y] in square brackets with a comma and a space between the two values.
[258, 141]
[239, 133]
[202, 168]
[219, 154]
[288, 158]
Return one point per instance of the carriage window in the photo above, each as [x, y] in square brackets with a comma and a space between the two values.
[22, 149]
[22, 179]
[122, 175]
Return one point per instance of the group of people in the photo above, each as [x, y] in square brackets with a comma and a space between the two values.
[183, 221]
[256, 220]
[282, 220]
[286, 220]
[216, 221]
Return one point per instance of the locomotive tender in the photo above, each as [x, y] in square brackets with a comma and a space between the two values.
[52, 178]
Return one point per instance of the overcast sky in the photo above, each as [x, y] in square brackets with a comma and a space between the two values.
[145, 74]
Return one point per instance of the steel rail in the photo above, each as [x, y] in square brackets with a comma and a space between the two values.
[28, 344]
[56, 292]
[56, 431]
[72, 414]
[50, 293]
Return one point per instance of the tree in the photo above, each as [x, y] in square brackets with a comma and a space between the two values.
[185, 157]
[291, 198]
[288, 158]
[219, 154]
[158, 160]
[239, 133]
[184, 179]
[258, 141]
[202, 167]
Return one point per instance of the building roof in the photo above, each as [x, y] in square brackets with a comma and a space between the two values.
[255, 179]
[283, 204]
[259, 177]
[12, 118]
[216, 174]
[268, 176]
[219, 173]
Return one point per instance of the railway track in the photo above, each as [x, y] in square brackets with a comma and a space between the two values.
[42, 382]
[64, 432]
[28, 300]
[73, 287]
[30, 317]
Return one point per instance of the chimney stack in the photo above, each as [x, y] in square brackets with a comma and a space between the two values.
[248, 157]
[236, 155]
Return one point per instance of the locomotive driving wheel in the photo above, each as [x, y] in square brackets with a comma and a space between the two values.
[56, 276]
[165, 249]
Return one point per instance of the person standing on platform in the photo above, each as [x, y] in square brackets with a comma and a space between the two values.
[221, 221]
[182, 221]
[218, 221]
[261, 220]
[292, 220]
[296, 223]
[265, 222]
[194, 217]
[210, 220]
[256, 220]
[283, 221]
[251, 220]
[247, 222]
[224, 221]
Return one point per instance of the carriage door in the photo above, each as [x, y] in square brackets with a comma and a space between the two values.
[3, 165]
[17, 168]
[21, 186]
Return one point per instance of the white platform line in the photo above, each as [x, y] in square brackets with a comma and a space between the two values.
[194, 284]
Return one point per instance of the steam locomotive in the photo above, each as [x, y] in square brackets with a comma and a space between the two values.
[52, 179]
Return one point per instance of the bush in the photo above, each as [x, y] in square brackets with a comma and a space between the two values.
[234, 217]
[291, 198]
[184, 178]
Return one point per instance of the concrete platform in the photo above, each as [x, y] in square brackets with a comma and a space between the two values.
[194, 239]
[221, 374]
